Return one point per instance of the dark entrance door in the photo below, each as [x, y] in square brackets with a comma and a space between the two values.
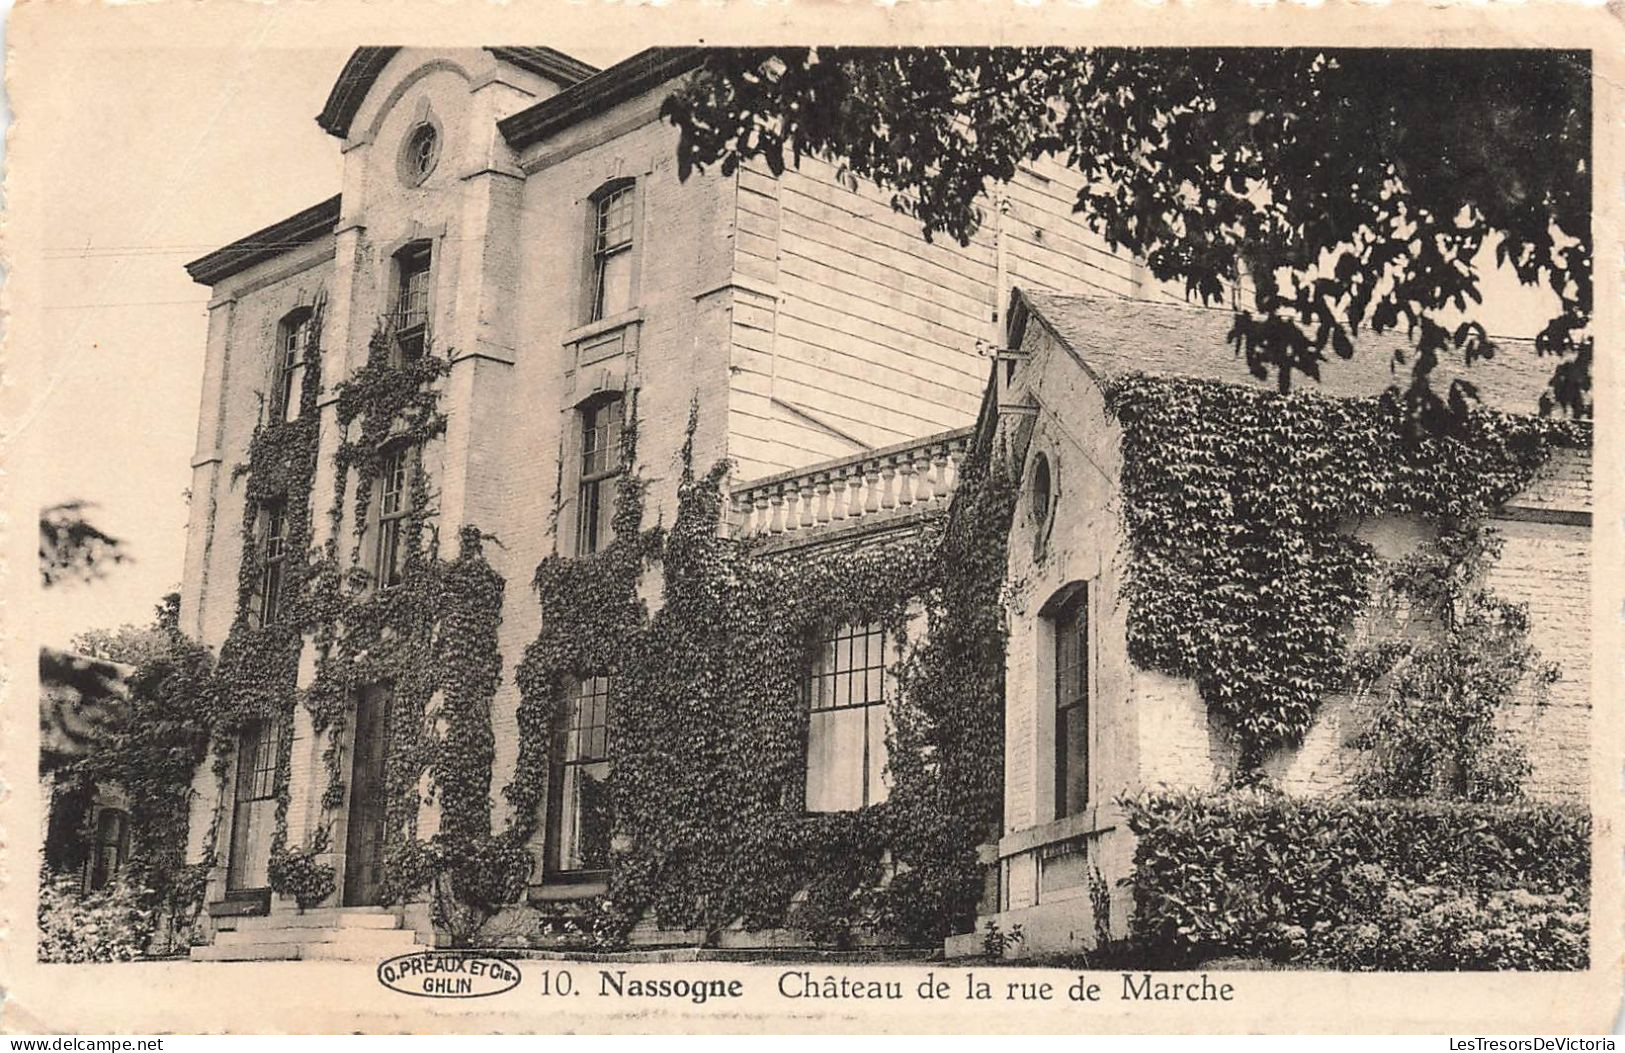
[364, 844]
[253, 813]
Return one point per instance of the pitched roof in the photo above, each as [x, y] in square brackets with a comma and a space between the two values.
[365, 64]
[266, 243]
[1114, 336]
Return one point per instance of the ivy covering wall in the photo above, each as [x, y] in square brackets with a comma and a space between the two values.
[709, 716]
[1245, 578]
[429, 640]
[1248, 577]
[1239, 505]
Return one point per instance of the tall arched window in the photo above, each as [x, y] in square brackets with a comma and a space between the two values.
[1069, 618]
[611, 263]
[410, 312]
[293, 341]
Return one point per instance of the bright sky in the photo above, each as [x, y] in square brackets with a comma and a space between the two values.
[145, 176]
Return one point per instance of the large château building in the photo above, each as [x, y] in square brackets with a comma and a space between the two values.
[520, 214]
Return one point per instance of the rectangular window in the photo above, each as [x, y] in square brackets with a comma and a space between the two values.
[411, 298]
[846, 720]
[294, 339]
[394, 505]
[612, 254]
[112, 847]
[579, 819]
[273, 559]
[1072, 705]
[600, 465]
[254, 806]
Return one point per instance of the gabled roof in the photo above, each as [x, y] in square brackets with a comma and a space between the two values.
[358, 75]
[298, 229]
[624, 80]
[1115, 336]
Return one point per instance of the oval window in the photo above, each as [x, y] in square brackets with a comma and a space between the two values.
[419, 154]
[1042, 490]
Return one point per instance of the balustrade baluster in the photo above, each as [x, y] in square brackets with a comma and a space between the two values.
[809, 515]
[854, 493]
[924, 491]
[871, 486]
[905, 480]
[792, 507]
[760, 519]
[838, 494]
[955, 457]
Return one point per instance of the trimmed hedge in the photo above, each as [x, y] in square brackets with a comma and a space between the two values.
[1260, 874]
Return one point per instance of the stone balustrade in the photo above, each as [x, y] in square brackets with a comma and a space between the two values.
[915, 476]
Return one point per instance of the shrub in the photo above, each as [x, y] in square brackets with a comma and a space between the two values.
[1260, 874]
[114, 924]
[1400, 924]
[295, 872]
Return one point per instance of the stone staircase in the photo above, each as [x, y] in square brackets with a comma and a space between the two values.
[347, 934]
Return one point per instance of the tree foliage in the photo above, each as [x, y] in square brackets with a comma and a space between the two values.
[132, 644]
[71, 548]
[1348, 188]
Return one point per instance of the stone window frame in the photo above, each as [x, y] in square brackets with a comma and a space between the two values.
[411, 296]
[1042, 517]
[409, 165]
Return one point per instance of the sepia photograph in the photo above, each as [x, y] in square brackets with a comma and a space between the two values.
[815, 522]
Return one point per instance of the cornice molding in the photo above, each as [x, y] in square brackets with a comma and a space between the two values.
[620, 82]
[301, 228]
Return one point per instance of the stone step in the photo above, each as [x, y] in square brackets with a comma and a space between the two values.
[254, 953]
[355, 945]
[361, 938]
[359, 918]
[347, 952]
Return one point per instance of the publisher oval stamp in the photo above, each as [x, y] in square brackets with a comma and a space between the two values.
[448, 974]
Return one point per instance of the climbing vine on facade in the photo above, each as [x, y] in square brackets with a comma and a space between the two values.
[709, 716]
[428, 636]
[1238, 501]
[255, 680]
[1437, 696]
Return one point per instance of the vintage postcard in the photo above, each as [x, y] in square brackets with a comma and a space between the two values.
[812, 517]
